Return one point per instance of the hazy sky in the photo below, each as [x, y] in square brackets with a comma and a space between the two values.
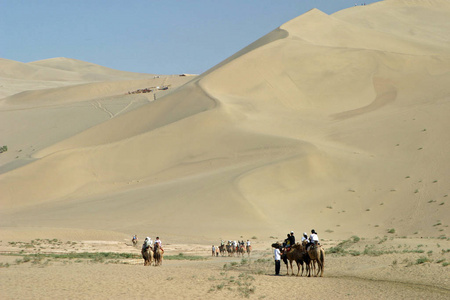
[149, 36]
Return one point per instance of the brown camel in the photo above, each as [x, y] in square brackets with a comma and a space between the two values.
[317, 254]
[158, 254]
[298, 254]
[222, 250]
[249, 250]
[241, 250]
[147, 255]
[230, 250]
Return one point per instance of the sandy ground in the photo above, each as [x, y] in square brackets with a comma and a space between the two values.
[387, 276]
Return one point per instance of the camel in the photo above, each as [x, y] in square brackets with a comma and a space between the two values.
[147, 255]
[222, 250]
[317, 254]
[298, 254]
[230, 250]
[158, 255]
[249, 250]
[241, 250]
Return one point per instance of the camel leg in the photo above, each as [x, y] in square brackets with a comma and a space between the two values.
[313, 267]
[318, 269]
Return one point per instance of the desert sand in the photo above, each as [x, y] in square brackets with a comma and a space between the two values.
[333, 122]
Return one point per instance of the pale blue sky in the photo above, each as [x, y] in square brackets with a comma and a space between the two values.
[149, 36]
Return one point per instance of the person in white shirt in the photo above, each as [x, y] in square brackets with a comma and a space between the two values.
[158, 241]
[314, 238]
[277, 256]
[147, 243]
[304, 237]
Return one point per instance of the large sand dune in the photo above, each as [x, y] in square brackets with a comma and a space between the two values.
[337, 122]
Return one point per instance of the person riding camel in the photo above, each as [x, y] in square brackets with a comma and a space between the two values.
[304, 237]
[313, 239]
[292, 238]
[158, 241]
[286, 244]
[147, 243]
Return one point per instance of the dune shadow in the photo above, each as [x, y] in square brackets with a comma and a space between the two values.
[385, 93]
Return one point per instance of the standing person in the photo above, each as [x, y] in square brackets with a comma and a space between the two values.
[213, 250]
[277, 256]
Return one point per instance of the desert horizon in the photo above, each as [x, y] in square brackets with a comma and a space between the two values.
[336, 123]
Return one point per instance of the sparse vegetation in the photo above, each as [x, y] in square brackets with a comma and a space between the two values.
[422, 260]
[241, 285]
[3, 149]
[182, 256]
[392, 230]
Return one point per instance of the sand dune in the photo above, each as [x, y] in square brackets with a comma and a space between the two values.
[17, 77]
[337, 122]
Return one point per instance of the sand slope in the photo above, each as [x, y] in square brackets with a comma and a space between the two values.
[333, 122]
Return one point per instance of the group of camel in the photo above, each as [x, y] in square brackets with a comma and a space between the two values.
[300, 254]
[231, 250]
[154, 255]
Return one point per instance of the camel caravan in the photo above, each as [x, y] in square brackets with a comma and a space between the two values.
[149, 90]
[152, 252]
[308, 253]
[232, 248]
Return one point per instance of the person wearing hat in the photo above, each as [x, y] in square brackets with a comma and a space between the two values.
[313, 238]
[147, 243]
[292, 238]
[305, 238]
